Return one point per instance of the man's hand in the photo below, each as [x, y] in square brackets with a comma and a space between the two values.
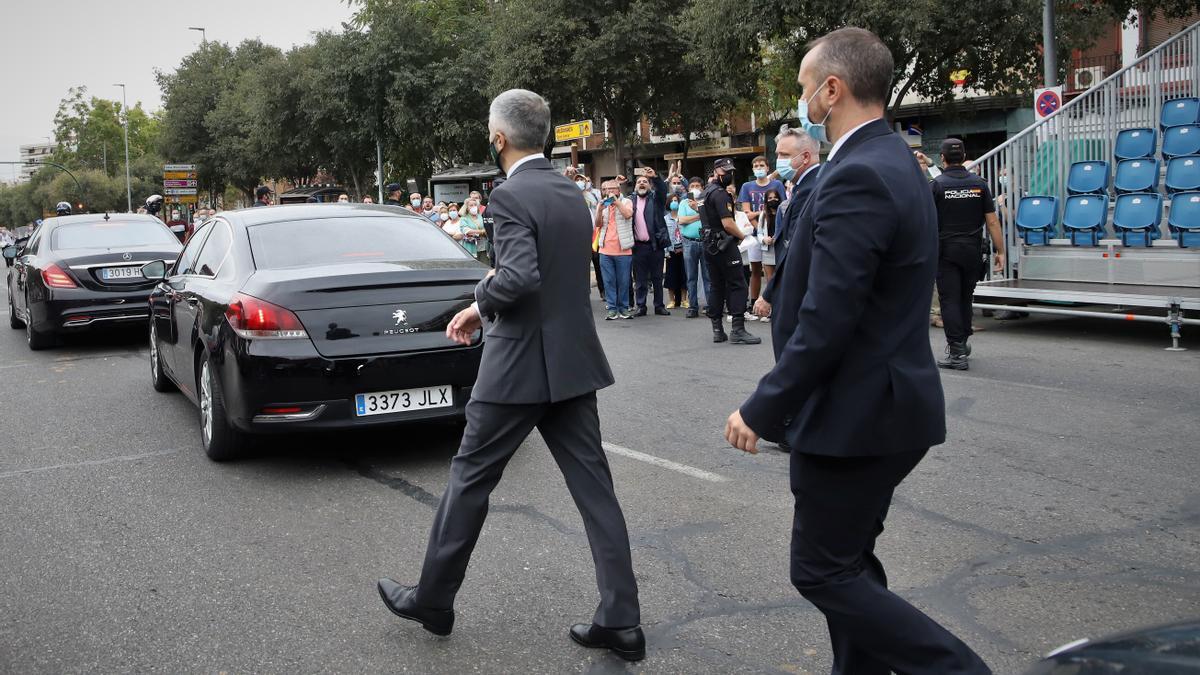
[649, 172]
[621, 179]
[463, 326]
[998, 261]
[739, 435]
[762, 307]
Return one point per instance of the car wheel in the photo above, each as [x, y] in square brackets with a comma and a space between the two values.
[157, 377]
[13, 321]
[221, 441]
[37, 339]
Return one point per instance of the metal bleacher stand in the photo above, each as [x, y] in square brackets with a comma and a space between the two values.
[1102, 157]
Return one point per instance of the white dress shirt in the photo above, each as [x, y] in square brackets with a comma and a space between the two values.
[846, 136]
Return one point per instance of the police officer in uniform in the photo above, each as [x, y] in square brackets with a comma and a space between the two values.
[392, 190]
[964, 206]
[720, 236]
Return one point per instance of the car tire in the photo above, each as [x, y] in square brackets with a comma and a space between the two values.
[158, 378]
[13, 321]
[37, 340]
[222, 442]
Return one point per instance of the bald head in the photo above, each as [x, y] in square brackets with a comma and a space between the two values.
[856, 57]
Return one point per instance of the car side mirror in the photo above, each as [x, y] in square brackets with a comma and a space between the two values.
[11, 252]
[155, 271]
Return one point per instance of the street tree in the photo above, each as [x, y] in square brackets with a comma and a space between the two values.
[604, 59]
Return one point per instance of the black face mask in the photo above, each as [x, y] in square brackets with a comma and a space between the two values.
[726, 180]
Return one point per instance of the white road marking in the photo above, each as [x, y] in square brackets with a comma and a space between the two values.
[93, 462]
[664, 463]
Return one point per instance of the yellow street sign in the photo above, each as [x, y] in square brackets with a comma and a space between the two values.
[182, 199]
[179, 175]
[569, 132]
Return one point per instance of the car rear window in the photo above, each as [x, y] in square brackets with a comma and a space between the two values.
[325, 241]
[116, 234]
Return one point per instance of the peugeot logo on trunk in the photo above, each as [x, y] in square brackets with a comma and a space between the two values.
[400, 316]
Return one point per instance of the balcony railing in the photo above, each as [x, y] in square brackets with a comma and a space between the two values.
[1086, 72]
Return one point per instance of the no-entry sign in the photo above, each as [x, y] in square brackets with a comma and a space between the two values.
[1047, 101]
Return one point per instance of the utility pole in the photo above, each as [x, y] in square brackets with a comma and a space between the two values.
[379, 167]
[128, 184]
[1049, 55]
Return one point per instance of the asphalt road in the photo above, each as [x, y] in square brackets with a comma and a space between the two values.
[1063, 505]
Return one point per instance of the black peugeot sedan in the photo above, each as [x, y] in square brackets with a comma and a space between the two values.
[1171, 649]
[78, 273]
[313, 317]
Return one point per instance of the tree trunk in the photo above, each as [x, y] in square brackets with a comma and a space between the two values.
[618, 144]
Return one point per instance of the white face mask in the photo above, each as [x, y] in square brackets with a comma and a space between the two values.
[474, 210]
[696, 193]
[415, 202]
[454, 215]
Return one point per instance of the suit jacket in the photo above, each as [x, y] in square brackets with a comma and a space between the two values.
[783, 238]
[656, 211]
[854, 372]
[542, 346]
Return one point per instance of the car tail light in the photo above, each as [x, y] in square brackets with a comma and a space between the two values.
[54, 277]
[259, 319]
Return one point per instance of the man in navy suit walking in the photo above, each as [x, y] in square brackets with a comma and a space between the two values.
[855, 390]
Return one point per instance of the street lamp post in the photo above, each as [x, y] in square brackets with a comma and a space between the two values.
[128, 186]
[203, 36]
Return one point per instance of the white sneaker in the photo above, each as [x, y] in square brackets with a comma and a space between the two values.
[728, 318]
[765, 319]
[750, 317]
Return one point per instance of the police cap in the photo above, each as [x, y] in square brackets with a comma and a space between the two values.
[954, 150]
[392, 187]
[723, 163]
[262, 191]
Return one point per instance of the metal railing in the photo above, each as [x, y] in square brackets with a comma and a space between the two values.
[1037, 159]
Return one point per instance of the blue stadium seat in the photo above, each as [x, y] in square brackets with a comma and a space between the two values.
[1179, 141]
[1088, 178]
[1179, 111]
[1084, 217]
[1183, 174]
[1136, 175]
[1137, 217]
[1184, 219]
[1136, 143]
[1037, 219]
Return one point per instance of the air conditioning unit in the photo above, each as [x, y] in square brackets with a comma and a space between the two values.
[1086, 78]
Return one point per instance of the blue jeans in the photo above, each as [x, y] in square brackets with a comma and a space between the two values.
[617, 271]
[693, 262]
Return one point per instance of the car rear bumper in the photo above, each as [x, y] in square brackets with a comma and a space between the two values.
[266, 374]
[82, 309]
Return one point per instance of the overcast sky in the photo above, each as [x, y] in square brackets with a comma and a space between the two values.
[49, 46]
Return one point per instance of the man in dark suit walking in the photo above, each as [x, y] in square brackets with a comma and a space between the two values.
[542, 364]
[799, 159]
[855, 390]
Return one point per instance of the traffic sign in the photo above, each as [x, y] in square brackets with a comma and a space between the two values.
[182, 199]
[1047, 101]
[569, 132]
[179, 175]
[179, 183]
[179, 167]
[179, 191]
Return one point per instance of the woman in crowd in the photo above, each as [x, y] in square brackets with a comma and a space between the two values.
[472, 228]
[613, 239]
[674, 276]
[767, 226]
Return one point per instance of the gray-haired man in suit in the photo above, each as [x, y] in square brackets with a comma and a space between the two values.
[542, 364]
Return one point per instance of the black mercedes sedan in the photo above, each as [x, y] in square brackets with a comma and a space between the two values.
[313, 317]
[77, 273]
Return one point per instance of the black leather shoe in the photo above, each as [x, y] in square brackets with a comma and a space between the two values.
[692, 314]
[641, 311]
[627, 643]
[662, 311]
[400, 599]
